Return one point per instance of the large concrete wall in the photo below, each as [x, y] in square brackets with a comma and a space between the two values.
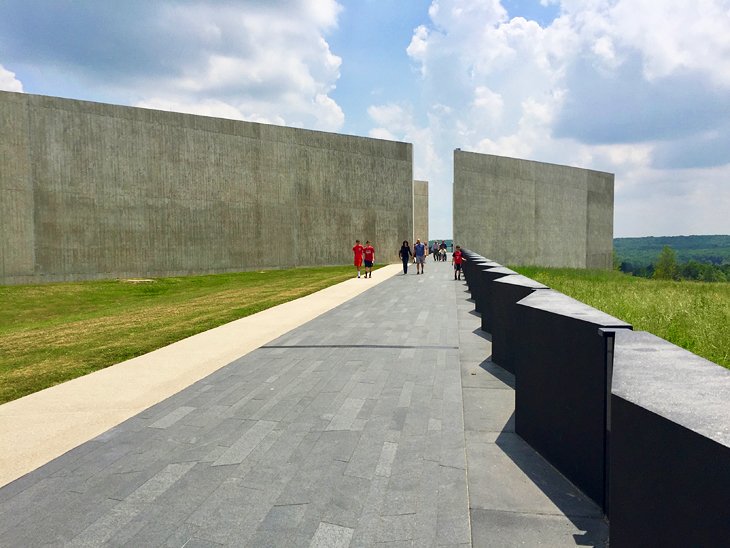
[531, 213]
[420, 210]
[90, 190]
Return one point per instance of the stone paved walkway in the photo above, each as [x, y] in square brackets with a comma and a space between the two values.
[378, 423]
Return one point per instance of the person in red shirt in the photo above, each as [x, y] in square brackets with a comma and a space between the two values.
[456, 259]
[369, 257]
[358, 250]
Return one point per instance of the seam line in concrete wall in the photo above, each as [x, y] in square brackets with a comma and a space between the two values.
[588, 223]
[31, 178]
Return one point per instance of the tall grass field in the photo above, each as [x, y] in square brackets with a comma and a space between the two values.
[52, 333]
[693, 315]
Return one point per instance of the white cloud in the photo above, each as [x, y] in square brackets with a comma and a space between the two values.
[382, 133]
[204, 107]
[489, 103]
[418, 48]
[269, 65]
[630, 87]
[434, 139]
[397, 122]
[8, 81]
[244, 59]
[397, 118]
[677, 36]
[675, 203]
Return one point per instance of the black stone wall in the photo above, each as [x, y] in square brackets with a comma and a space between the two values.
[640, 425]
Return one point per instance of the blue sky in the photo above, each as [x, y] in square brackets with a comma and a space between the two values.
[615, 85]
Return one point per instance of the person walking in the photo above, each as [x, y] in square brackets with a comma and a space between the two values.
[358, 249]
[435, 250]
[419, 252]
[457, 259]
[368, 255]
[442, 251]
[405, 255]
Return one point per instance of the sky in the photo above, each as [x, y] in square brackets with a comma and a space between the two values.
[638, 88]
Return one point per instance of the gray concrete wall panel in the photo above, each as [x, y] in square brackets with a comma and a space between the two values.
[532, 213]
[420, 210]
[16, 190]
[560, 217]
[96, 191]
[599, 252]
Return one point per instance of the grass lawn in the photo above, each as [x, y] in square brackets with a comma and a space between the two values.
[51, 333]
[693, 315]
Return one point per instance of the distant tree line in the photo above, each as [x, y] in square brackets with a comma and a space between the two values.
[645, 250]
[667, 267]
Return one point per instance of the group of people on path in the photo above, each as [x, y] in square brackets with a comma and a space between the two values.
[419, 252]
[366, 255]
[438, 250]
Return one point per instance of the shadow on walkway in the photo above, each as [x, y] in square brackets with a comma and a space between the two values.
[516, 497]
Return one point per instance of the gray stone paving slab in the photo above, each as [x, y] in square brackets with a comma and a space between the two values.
[489, 409]
[346, 414]
[380, 423]
[385, 461]
[508, 475]
[195, 542]
[61, 524]
[242, 448]
[329, 535]
[161, 521]
[121, 514]
[473, 375]
[507, 529]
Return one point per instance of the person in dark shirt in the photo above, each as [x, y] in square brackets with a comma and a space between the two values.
[405, 255]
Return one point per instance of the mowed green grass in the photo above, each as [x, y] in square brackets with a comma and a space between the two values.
[693, 315]
[51, 333]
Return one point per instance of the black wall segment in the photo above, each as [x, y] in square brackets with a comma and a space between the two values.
[562, 376]
[506, 292]
[638, 424]
[670, 446]
[475, 263]
[468, 265]
[486, 277]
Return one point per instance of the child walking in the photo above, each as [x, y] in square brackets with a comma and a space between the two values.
[368, 255]
[358, 249]
[456, 259]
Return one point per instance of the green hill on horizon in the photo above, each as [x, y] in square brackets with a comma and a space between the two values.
[644, 251]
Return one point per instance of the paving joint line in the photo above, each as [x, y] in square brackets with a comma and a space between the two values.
[425, 346]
